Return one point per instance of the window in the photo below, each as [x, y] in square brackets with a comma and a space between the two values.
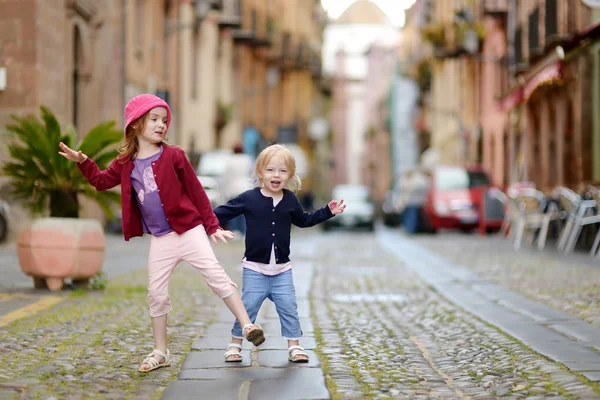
[534, 23]
[139, 28]
[518, 45]
[457, 178]
[551, 18]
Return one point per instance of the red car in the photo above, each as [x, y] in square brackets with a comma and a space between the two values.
[455, 196]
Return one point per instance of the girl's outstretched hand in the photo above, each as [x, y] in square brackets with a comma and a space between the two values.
[336, 207]
[222, 235]
[71, 154]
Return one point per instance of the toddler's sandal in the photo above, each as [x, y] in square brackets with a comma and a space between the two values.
[296, 354]
[153, 363]
[233, 353]
[256, 336]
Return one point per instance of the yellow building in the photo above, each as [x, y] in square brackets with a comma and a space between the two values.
[277, 54]
[453, 107]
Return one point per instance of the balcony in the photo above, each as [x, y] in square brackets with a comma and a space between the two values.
[553, 36]
[315, 64]
[287, 52]
[302, 59]
[274, 36]
[495, 7]
[247, 34]
[231, 14]
[264, 33]
[456, 39]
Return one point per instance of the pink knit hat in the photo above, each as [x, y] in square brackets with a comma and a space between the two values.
[141, 104]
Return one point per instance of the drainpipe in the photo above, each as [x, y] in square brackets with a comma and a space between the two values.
[124, 57]
[510, 34]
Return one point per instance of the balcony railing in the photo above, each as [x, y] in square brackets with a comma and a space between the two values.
[231, 14]
[495, 6]
[247, 32]
[261, 30]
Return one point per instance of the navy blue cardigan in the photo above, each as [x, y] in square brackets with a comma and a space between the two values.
[267, 224]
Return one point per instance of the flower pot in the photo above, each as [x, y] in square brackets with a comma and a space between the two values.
[52, 249]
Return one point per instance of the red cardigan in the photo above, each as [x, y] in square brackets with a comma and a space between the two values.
[183, 198]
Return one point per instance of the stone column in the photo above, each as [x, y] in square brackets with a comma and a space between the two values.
[560, 119]
[544, 143]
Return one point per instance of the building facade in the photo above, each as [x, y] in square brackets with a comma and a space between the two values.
[226, 67]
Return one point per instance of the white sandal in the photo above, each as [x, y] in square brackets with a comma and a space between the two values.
[233, 353]
[154, 363]
[256, 336]
[295, 354]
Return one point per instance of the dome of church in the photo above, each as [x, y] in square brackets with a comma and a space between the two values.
[363, 12]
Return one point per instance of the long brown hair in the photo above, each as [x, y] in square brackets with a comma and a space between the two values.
[294, 183]
[129, 147]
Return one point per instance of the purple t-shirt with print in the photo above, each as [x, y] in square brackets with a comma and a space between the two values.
[154, 219]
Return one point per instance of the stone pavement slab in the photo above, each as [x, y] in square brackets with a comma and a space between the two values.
[213, 359]
[526, 320]
[206, 389]
[292, 384]
[280, 343]
[279, 359]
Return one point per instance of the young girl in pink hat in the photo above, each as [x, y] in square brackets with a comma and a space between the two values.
[161, 195]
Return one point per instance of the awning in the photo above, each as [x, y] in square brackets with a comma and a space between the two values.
[548, 75]
[511, 100]
[551, 73]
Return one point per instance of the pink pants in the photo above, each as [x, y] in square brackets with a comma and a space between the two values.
[167, 251]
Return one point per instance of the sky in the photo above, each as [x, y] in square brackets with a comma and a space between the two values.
[393, 8]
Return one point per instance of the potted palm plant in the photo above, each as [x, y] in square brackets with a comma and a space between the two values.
[57, 244]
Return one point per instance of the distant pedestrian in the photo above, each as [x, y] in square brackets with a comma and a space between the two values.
[270, 210]
[235, 180]
[179, 218]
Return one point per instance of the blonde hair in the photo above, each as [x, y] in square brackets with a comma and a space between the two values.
[129, 147]
[294, 183]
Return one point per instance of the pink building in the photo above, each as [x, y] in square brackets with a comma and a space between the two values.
[339, 118]
[382, 61]
[493, 79]
[539, 125]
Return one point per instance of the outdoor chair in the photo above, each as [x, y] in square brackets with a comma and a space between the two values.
[587, 214]
[569, 204]
[532, 217]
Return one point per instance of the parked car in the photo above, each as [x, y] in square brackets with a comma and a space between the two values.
[360, 208]
[3, 220]
[455, 197]
[212, 189]
[213, 163]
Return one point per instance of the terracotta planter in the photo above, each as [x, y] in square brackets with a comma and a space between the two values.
[52, 249]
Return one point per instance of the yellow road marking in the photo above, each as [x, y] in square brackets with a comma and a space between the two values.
[27, 311]
[12, 296]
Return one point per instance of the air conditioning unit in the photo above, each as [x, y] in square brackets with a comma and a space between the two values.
[202, 9]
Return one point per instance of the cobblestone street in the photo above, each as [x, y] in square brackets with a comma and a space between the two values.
[383, 317]
[384, 333]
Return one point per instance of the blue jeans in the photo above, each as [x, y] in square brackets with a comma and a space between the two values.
[257, 287]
